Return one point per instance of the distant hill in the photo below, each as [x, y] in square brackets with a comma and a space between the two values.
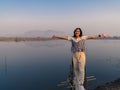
[36, 33]
[47, 33]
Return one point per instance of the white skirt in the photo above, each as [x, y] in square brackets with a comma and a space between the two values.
[79, 61]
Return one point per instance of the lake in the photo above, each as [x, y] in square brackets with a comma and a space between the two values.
[42, 65]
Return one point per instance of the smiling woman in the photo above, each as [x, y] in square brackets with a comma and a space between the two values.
[79, 56]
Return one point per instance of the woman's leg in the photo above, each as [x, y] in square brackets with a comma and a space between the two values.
[79, 60]
[75, 67]
[81, 66]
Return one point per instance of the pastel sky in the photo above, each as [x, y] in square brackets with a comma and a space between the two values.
[93, 16]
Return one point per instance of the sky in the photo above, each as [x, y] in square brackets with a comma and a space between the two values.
[92, 16]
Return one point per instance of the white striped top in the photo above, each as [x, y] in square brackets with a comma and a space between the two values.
[77, 44]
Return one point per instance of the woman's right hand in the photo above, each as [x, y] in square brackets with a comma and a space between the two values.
[60, 37]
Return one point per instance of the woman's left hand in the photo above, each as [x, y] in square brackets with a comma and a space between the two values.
[104, 35]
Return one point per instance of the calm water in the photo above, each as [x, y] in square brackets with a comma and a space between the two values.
[42, 65]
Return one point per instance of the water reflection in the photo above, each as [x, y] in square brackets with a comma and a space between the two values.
[5, 63]
[4, 66]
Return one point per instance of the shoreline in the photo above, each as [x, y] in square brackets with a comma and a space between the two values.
[19, 39]
[113, 85]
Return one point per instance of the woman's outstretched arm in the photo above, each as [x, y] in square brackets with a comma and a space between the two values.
[97, 36]
[60, 37]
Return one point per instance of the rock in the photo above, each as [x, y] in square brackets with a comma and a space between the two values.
[114, 85]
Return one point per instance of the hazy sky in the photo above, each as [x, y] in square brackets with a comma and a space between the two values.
[93, 16]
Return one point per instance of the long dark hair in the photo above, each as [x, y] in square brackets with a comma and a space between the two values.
[76, 30]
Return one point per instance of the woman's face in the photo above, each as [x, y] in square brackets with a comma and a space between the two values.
[77, 33]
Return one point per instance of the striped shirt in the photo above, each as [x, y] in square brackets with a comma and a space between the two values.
[77, 44]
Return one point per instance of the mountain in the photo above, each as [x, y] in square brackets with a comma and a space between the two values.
[47, 33]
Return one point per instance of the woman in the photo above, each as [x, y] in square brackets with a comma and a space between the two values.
[78, 51]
